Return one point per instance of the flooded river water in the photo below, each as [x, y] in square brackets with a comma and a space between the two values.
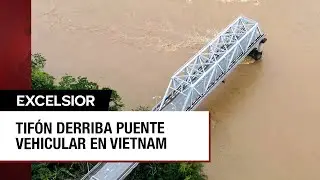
[267, 113]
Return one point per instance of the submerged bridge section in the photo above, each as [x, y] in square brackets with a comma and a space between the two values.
[197, 78]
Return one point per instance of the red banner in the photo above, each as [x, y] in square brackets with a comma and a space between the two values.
[15, 64]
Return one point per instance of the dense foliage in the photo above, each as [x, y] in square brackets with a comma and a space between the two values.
[167, 171]
[41, 80]
[71, 171]
[60, 171]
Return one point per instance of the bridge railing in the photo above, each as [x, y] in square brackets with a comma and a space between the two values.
[204, 70]
[195, 80]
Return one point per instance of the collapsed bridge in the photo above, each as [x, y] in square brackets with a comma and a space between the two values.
[197, 78]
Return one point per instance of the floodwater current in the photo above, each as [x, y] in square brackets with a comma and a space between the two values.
[266, 114]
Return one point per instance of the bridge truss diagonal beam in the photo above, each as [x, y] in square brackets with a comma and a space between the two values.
[191, 83]
[204, 71]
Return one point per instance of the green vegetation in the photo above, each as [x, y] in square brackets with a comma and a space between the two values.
[168, 171]
[141, 108]
[59, 171]
[41, 80]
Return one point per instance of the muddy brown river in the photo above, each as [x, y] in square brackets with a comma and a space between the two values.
[267, 113]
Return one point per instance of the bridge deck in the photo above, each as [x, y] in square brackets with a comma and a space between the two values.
[195, 80]
[110, 171]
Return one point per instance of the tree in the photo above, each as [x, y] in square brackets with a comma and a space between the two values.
[42, 80]
[166, 171]
[59, 171]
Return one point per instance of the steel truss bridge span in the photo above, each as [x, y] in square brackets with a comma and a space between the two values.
[197, 78]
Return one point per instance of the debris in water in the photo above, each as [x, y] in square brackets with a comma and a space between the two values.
[255, 2]
[248, 60]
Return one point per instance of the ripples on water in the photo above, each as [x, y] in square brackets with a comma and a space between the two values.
[267, 111]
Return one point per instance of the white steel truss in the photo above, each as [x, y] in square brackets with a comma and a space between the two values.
[204, 71]
[196, 79]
